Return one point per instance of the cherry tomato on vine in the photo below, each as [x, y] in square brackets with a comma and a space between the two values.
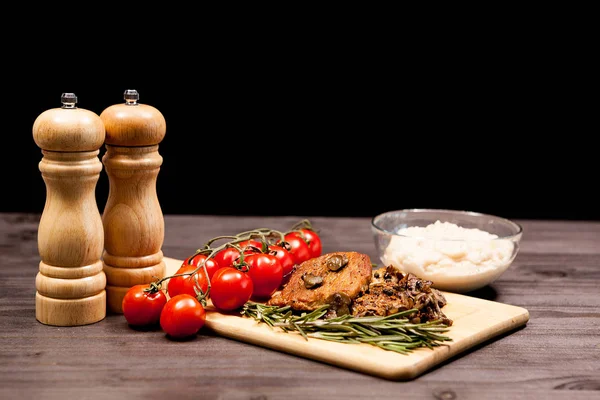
[266, 273]
[186, 283]
[284, 257]
[250, 243]
[182, 316]
[211, 265]
[230, 289]
[142, 307]
[314, 242]
[298, 247]
[227, 257]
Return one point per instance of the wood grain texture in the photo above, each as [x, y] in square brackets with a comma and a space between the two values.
[556, 276]
[72, 129]
[133, 220]
[70, 282]
[133, 125]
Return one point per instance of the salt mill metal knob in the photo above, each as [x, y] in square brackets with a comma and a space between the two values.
[70, 284]
[132, 218]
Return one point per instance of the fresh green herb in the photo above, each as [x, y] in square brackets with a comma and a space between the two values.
[393, 332]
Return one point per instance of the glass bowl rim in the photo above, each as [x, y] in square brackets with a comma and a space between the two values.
[513, 224]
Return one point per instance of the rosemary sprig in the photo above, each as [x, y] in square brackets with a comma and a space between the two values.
[393, 332]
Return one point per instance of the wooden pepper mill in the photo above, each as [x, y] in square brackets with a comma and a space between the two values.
[132, 218]
[71, 282]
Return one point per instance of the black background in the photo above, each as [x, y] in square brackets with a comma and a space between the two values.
[315, 132]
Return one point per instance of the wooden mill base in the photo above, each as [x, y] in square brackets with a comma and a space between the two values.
[69, 312]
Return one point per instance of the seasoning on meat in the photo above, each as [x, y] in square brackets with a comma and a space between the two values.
[393, 291]
[352, 278]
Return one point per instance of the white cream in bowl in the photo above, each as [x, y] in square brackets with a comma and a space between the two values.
[454, 258]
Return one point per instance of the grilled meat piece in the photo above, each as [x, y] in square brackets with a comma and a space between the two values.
[391, 291]
[350, 280]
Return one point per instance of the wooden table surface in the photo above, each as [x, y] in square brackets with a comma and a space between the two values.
[556, 276]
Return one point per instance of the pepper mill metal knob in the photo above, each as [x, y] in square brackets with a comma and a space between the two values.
[70, 284]
[132, 218]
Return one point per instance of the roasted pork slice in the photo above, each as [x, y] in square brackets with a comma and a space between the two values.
[325, 279]
[391, 291]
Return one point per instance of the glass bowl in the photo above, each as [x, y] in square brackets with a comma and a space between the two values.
[458, 251]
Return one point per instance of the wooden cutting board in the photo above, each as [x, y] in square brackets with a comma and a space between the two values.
[475, 321]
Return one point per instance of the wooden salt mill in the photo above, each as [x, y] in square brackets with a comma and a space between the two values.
[71, 282]
[132, 218]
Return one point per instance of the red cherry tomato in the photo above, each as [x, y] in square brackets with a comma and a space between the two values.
[298, 247]
[141, 307]
[230, 289]
[227, 257]
[182, 316]
[266, 273]
[314, 242]
[211, 265]
[284, 257]
[186, 283]
[250, 243]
